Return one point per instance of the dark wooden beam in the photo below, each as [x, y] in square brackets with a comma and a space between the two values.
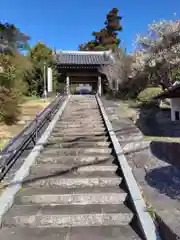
[81, 66]
[83, 74]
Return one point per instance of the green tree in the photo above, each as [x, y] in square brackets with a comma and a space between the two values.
[106, 38]
[13, 65]
[40, 55]
[12, 39]
[13, 68]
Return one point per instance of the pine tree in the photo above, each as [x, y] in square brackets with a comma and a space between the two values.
[12, 39]
[106, 38]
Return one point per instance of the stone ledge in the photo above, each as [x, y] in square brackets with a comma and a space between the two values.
[145, 221]
[141, 163]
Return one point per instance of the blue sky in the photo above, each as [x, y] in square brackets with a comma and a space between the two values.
[66, 24]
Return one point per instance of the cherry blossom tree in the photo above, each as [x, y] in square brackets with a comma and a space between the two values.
[157, 54]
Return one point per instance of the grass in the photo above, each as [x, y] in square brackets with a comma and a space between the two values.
[130, 108]
[149, 207]
[30, 107]
[151, 212]
[159, 138]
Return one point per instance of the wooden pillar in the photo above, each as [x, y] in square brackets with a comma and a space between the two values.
[67, 85]
[99, 86]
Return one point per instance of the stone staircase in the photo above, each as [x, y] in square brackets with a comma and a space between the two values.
[59, 199]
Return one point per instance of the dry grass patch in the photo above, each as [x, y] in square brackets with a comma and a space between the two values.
[29, 108]
[130, 109]
[162, 139]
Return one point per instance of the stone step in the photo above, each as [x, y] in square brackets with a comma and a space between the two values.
[81, 118]
[83, 204]
[18, 233]
[40, 210]
[88, 138]
[39, 171]
[82, 112]
[74, 182]
[77, 114]
[75, 233]
[55, 168]
[79, 106]
[28, 191]
[71, 160]
[82, 109]
[90, 99]
[102, 233]
[80, 134]
[82, 104]
[82, 101]
[80, 121]
[78, 125]
[42, 198]
[68, 216]
[62, 144]
[52, 172]
[90, 116]
[76, 151]
[72, 140]
[78, 131]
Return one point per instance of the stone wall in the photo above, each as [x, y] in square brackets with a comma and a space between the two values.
[166, 151]
[156, 122]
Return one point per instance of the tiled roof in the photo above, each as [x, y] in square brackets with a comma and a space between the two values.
[82, 58]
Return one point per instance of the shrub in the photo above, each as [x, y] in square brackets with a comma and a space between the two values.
[9, 106]
[145, 97]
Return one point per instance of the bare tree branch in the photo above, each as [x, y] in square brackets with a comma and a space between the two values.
[117, 73]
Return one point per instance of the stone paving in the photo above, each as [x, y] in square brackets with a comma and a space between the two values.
[158, 179]
[76, 187]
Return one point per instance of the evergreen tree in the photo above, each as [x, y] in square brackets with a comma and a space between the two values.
[12, 39]
[106, 38]
[40, 56]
